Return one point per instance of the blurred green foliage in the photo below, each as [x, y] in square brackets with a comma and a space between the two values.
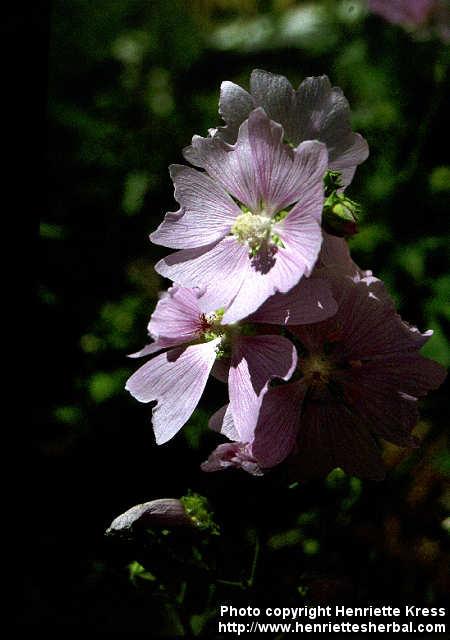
[129, 83]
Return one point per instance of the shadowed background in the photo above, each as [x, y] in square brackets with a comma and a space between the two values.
[129, 83]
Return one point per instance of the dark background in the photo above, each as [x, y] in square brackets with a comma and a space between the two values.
[119, 87]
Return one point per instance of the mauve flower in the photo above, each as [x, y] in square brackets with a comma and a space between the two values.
[250, 226]
[426, 16]
[409, 12]
[193, 339]
[361, 375]
[315, 111]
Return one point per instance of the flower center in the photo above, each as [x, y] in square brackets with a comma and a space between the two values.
[210, 327]
[316, 369]
[252, 229]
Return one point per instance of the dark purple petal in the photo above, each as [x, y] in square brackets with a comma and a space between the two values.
[275, 94]
[330, 436]
[276, 430]
[311, 300]
[235, 105]
[409, 373]
[335, 253]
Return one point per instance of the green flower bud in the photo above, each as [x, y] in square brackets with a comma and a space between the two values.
[197, 509]
[340, 213]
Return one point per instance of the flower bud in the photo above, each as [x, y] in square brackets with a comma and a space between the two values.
[190, 511]
[340, 214]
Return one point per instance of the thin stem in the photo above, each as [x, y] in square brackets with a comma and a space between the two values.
[255, 560]
[231, 583]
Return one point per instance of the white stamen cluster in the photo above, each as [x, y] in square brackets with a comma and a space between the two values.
[252, 229]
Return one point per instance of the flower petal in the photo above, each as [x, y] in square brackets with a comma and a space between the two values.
[284, 175]
[232, 166]
[275, 94]
[311, 300]
[206, 215]
[232, 455]
[219, 267]
[235, 105]
[323, 114]
[176, 380]
[279, 269]
[329, 437]
[409, 373]
[277, 426]
[154, 347]
[222, 422]
[335, 253]
[176, 316]
[175, 320]
[255, 361]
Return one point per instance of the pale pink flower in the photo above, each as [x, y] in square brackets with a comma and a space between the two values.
[249, 226]
[192, 340]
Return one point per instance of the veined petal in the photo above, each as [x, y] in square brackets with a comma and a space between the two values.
[323, 112]
[329, 437]
[409, 373]
[310, 160]
[222, 422]
[177, 316]
[278, 270]
[275, 94]
[176, 380]
[220, 268]
[370, 326]
[311, 300]
[154, 347]
[175, 321]
[255, 361]
[335, 254]
[232, 166]
[206, 215]
[284, 175]
[277, 426]
[345, 160]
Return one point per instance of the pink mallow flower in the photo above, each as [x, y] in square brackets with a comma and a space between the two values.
[405, 12]
[188, 342]
[249, 226]
[360, 377]
[314, 111]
